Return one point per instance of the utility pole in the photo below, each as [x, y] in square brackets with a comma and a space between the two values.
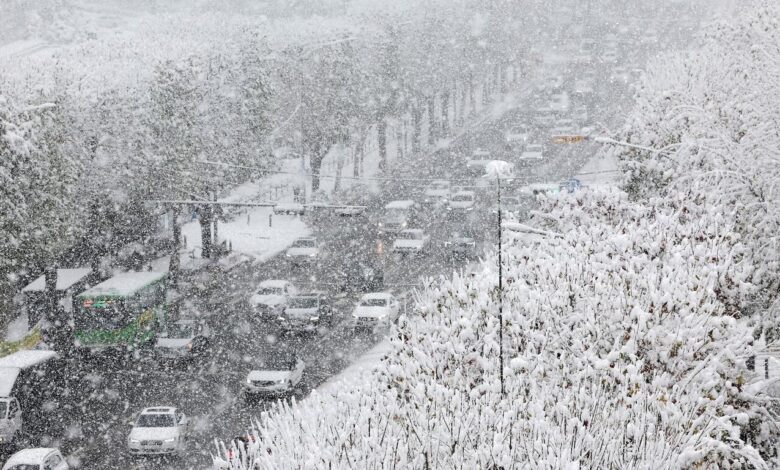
[175, 262]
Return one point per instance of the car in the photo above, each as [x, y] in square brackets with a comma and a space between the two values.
[437, 192]
[580, 114]
[306, 312]
[461, 246]
[532, 152]
[278, 376]
[563, 127]
[397, 216]
[410, 241]
[375, 309]
[478, 161]
[271, 296]
[609, 56]
[462, 201]
[159, 430]
[183, 339]
[517, 135]
[10, 420]
[303, 250]
[38, 458]
[544, 117]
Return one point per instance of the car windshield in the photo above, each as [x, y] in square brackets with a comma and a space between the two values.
[271, 291]
[155, 420]
[304, 243]
[304, 302]
[181, 330]
[411, 236]
[462, 198]
[283, 362]
[373, 303]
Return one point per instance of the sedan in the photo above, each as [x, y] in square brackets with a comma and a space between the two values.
[183, 339]
[303, 250]
[40, 458]
[159, 430]
[277, 377]
[375, 309]
[411, 241]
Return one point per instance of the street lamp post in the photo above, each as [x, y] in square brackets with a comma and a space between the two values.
[499, 169]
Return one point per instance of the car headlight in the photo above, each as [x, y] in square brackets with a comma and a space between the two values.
[314, 319]
[169, 440]
[281, 382]
[134, 441]
[189, 346]
[249, 381]
[403, 224]
[287, 255]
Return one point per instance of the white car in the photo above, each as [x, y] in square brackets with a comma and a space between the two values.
[10, 420]
[533, 152]
[378, 308]
[303, 250]
[40, 458]
[410, 241]
[271, 296]
[159, 430]
[278, 377]
[186, 338]
[463, 200]
[437, 192]
[517, 135]
[305, 312]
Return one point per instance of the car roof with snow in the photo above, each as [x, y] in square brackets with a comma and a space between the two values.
[274, 283]
[32, 456]
[402, 204]
[412, 231]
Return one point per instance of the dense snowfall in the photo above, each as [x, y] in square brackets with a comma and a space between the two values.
[626, 336]
[629, 317]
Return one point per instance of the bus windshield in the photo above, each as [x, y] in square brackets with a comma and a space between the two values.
[105, 314]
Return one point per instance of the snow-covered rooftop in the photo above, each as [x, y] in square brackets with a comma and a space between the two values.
[124, 283]
[65, 279]
[24, 359]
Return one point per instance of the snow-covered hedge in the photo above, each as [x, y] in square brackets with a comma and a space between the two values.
[625, 338]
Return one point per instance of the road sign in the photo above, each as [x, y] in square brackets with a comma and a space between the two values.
[568, 139]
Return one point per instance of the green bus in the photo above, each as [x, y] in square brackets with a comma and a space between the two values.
[123, 312]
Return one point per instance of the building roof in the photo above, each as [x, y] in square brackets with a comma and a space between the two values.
[65, 279]
[124, 284]
[28, 358]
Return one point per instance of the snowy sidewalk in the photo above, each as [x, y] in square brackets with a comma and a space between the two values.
[358, 372]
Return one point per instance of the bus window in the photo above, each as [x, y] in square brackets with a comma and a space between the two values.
[107, 314]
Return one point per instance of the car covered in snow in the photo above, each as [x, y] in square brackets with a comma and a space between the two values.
[39, 458]
[461, 246]
[159, 430]
[517, 136]
[479, 160]
[397, 215]
[437, 192]
[532, 152]
[375, 309]
[303, 250]
[278, 376]
[271, 296]
[183, 339]
[462, 201]
[306, 312]
[411, 240]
